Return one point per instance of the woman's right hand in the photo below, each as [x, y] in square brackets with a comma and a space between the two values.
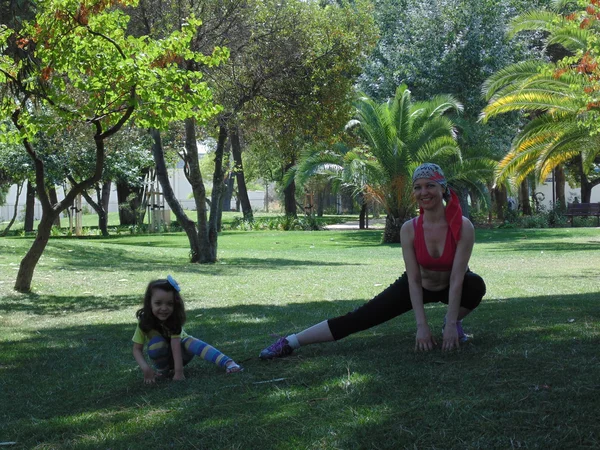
[425, 340]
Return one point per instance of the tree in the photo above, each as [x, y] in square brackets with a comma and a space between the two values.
[76, 61]
[128, 161]
[561, 97]
[290, 62]
[346, 167]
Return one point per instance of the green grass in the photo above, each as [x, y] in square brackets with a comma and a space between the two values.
[530, 378]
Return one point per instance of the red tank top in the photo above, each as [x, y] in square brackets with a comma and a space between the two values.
[425, 260]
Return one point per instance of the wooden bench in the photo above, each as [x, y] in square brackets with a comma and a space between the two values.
[583, 210]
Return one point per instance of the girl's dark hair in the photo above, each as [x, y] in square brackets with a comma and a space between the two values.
[149, 321]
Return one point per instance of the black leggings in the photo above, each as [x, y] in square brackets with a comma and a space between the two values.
[395, 300]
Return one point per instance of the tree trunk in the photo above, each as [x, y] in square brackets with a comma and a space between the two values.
[127, 214]
[586, 186]
[362, 218]
[214, 221]
[289, 197]
[500, 201]
[207, 254]
[524, 198]
[30, 260]
[289, 194]
[238, 168]
[320, 201]
[266, 198]
[228, 192]
[105, 196]
[559, 186]
[186, 223]
[15, 210]
[391, 234]
[29, 207]
[132, 207]
[100, 211]
[54, 200]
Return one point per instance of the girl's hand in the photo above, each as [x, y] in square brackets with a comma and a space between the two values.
[425, 340]
[149, 375]
[450, 338]
[178, 376]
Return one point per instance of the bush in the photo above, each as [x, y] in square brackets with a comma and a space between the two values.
[585, 222]
[284, 223]
[479, 217]
[544, 218]
[534, 221]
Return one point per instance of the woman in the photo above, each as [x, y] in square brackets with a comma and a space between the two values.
[436, 247]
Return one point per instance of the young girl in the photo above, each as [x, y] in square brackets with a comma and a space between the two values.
[159, 326]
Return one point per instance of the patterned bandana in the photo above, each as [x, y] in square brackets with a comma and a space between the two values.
[432, 172]
[453, 211]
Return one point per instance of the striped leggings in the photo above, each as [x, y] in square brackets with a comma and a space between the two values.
[159, 352]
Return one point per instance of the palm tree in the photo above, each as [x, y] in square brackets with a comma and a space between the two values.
[346, 168]
[563, 127]
[401, 134]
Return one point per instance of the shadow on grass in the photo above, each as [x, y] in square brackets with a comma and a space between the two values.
[562, 247]
[528, 377]
[107, 259]
[56, 305]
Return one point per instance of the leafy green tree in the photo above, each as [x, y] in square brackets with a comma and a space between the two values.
[77, 61]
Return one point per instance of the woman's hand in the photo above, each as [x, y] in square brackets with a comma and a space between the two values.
[425, 340]
[450, 338]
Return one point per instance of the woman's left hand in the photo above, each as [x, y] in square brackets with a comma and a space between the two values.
[450, 338]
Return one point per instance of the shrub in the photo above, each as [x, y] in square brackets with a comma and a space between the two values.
[534, 221]
[284, 223]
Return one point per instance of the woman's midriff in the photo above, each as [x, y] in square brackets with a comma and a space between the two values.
[433, 280]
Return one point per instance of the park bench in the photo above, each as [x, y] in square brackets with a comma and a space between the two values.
[583, 210]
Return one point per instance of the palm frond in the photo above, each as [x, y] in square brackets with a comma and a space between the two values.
[440, 148]
[536, 20]
[528, 101]
[571, 39]
[400, 111]
[513, 74]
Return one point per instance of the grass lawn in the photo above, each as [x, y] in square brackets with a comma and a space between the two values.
[529, 378]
